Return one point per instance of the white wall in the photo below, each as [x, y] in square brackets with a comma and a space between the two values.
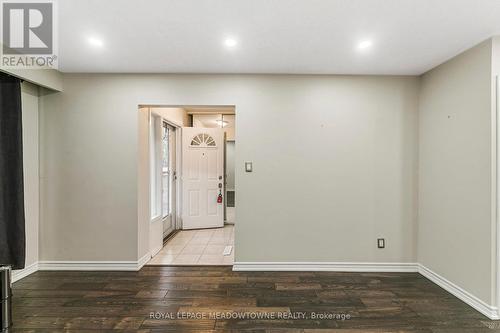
[338, 172]
[29, 100]
[177, 116]
[89, 180]
[456, 164]
[210, 121]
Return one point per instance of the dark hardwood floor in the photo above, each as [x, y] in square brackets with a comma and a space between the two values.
[126, 301]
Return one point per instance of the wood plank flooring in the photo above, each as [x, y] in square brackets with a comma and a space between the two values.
[210, 298]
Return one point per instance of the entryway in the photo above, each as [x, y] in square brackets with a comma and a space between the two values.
[198, 247]
[192, 188]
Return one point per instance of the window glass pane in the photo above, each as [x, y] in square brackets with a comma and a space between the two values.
[165, 148]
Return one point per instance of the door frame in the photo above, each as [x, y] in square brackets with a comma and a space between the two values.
[144, 218]
[172, 190]
[178, 183]
[178, 164]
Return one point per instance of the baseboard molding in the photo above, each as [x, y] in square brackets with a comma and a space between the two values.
[489, 311]
[155, 251]
[326, 266]
[80, 266]
[94, 265]
[22, 273]
[144, 260]
[88, 265]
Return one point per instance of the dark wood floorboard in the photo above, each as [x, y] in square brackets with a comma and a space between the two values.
[123, 302]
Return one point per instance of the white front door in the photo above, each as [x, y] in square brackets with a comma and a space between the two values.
[202, 177]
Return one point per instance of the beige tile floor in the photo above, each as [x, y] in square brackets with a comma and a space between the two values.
[197, 247]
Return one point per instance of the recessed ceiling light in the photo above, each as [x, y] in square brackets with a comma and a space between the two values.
[96, 42]
[230, 42]
[365, 44]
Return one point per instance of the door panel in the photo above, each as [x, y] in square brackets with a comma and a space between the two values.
[202, 171]
[194, 203]
[212, 167]
[212, 204]
[194, 169]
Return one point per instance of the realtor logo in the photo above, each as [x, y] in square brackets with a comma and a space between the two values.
[28, 34]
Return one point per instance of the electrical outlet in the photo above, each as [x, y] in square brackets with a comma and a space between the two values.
[381, 243]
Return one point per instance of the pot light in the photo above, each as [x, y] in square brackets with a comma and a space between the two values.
[230, 43]
[95, 42]
[365, 44]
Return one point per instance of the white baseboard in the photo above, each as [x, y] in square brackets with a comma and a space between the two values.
[88, 265]
[155, 251]
[326, 266]
[143, 261]
[489, 311]
[22, 273]
[94, 265]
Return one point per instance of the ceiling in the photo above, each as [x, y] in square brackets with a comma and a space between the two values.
[273, 36]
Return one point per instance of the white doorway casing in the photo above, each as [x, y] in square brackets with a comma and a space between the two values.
[156, 224]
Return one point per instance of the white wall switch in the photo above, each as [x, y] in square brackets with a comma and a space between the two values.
[381, 243]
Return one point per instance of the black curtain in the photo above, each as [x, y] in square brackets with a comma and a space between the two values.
[12, 237]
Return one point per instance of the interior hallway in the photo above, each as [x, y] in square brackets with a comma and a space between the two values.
[198, 247]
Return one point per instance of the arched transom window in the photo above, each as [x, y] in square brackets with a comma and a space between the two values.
[203, 140]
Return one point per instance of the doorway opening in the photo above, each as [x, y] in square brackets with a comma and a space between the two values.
[192, 185]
